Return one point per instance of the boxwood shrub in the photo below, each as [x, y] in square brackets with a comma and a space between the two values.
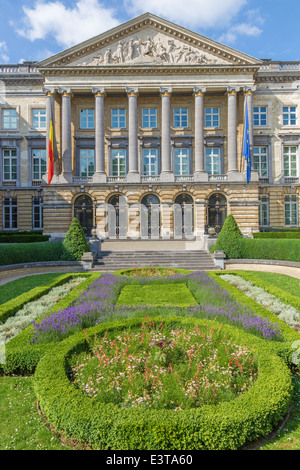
[15, 253]
[225, 426]
[289, 235]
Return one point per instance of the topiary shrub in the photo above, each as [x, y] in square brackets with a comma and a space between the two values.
[229, 238]
[74, 244]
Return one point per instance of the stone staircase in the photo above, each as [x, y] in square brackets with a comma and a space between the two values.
[194, 260]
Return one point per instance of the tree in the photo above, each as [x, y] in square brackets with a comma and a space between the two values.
[229, 238]
[74, 244]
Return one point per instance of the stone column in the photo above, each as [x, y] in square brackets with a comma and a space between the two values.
[166, 160]
[133, 163]
[199, 171]
[66, 137]
[233, 173]
[99, 175]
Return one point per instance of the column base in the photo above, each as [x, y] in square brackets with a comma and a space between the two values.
[65, 178]
[254, 176]
[235, 175]
[167, 177]
[99, 178]
[133, 178]
[55, 179]
[201, 176]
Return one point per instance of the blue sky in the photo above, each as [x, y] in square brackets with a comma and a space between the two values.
[34, 30]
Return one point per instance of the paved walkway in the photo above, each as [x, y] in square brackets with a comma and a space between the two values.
[288, 270]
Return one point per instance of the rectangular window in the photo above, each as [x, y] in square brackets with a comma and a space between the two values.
[9, 118]
[259, 116]
[212, 117]
[149, 118]
[10, 165]
[181, 162]
[38, 164]
[39, 118]
[290, 161]
[213, 161]
[87, 119]
[289, 115]
[87, 162]
[118, 118]
[118, 162]
[264, 211]
[37, 212]
[10, 216]
[180, 117]
[150, 162]
[291, 210]
[260, 161]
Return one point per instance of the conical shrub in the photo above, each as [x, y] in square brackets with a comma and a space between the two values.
[229, 238]
[74, 244]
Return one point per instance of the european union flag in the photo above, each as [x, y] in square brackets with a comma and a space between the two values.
[246, 146]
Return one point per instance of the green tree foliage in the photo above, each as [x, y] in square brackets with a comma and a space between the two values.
[229, 238]
[74, 244]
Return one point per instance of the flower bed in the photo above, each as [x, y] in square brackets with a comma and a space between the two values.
[159, 366]
[221, 426]
[285, 312]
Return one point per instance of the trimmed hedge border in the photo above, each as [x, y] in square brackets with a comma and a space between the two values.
[226, 426]
[21, 356]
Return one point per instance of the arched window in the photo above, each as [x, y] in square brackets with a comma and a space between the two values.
[184, 217]
[150, 216]
[117, 217]
[216, 211]
[83, 210]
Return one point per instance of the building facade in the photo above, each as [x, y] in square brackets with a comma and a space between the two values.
[149, 125]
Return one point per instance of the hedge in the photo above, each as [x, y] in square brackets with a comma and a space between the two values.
[277, 249]
[285, 235]
[24, 237]
[21, 356]
[30, 252]
[228, 425]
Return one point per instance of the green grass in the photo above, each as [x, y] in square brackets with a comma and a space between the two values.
[165, 294]
[21, 427]
[284, 282]
[14, 288]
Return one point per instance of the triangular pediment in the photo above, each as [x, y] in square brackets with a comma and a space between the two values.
[150, 41]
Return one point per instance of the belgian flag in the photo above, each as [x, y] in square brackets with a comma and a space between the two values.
[52, 150]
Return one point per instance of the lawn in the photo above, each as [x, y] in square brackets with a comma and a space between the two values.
[25, 284]
[165, 294]
[21, 427]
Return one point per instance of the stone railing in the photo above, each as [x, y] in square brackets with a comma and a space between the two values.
[18, 69]
[278, 66]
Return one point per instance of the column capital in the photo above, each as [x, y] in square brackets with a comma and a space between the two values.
[132, 91]
[99, 91]
[49, 92]
[165, 91]
[65, 92]
[249, 90]
[232, 90]
[199, 91]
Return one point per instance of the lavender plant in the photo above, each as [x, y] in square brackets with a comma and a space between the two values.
[98, 303]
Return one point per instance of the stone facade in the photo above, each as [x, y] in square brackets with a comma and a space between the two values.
[149, 124]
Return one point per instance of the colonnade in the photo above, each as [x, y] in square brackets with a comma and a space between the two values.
[166, 160]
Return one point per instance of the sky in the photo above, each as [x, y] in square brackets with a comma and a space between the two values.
[35, 30]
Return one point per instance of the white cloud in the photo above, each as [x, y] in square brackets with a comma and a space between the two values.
[68, 26]
[191, 13]
[3, 52]
[244, 29]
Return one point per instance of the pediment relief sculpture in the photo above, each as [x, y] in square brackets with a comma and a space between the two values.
[151, 49]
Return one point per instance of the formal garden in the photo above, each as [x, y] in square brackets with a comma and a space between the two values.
[148, 358]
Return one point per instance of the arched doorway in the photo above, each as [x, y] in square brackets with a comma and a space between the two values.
[216, 212]
[184, 217]
[84, 211]
[150, 216]
[117, 217]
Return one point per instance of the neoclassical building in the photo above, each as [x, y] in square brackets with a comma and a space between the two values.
[149, 124]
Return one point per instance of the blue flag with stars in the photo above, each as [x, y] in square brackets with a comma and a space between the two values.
[246, 146]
